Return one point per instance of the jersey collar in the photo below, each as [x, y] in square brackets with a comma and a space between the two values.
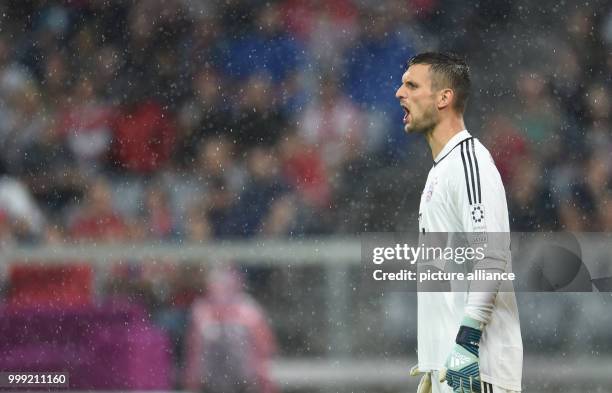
[451, 144]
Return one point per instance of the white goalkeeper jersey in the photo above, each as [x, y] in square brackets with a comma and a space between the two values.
[464, 193]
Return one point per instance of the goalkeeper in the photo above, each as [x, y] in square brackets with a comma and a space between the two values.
[469, 340]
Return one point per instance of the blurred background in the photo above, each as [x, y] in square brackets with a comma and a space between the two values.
[149, 127]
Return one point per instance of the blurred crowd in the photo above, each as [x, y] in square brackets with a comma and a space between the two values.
[186, 120]
[175, 120]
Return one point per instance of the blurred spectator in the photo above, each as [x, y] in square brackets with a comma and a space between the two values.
[204, 47]
[376, 61]
[327, 28]
[184, 287]
[605, 212]
[97, 219]
[56, 79]
[305, 170]
[283, 218]
[86, 126]
[577, 211]
[22, 115]
[215, 162]
[262, 189]
[105, 75]
[24, 121]
[539, 117]
[229, 344]
[203, 115]
[49, 169]
[19, 209]
[507, 145]
[374, 66]
[220, 206]
[531, 207]
[258, 118]
[219, 173]
[144, 137]
[598, 102]
[156, 218]
[333, 125]
[597, 174]
[6, 232]
[267, 49]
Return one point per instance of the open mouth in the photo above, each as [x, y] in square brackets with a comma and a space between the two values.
[406, 114]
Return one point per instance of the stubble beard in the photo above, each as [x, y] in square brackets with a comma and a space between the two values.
[427, 123]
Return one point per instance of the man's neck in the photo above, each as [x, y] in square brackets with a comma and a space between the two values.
[444, 131]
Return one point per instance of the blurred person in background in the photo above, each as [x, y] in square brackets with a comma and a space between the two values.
[144, 137]
[105, 74]
[85, 124]
[157, 214]
[6, 232]
[605, 212]
[326, 28]
[50, 169]
[25, 119]
[197, 228]
[261, 189]
[575, 214]
[20, 211]
[507, 144]
[229, 344]
[333, 125]
[371, 65]
[183, 286]
[538, 119]
[96, 219]
[283, 219]
[155, 218]
[56, 80]
[215, 161]
[267, 49]
[203, 115]
[598, 117]
[220, 173]
[204, 47]
[531, 206]
[304, 169]
[257, 115]
[22, 110]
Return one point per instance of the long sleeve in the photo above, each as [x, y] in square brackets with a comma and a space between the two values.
[483, 213]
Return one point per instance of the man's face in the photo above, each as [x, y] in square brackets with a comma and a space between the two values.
[418, 100]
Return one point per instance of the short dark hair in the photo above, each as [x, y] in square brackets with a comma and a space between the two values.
[448, 70]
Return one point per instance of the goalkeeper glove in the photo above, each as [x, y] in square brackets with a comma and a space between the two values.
[462, 366]
[425, 383]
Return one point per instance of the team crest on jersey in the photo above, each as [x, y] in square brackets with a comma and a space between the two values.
[478, 213]
[430, 190]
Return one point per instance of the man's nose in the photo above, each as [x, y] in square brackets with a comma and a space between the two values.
[398, 92]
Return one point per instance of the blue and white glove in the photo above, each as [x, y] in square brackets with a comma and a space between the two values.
[462, 371]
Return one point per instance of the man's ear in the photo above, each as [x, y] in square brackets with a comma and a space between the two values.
[445, 98]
